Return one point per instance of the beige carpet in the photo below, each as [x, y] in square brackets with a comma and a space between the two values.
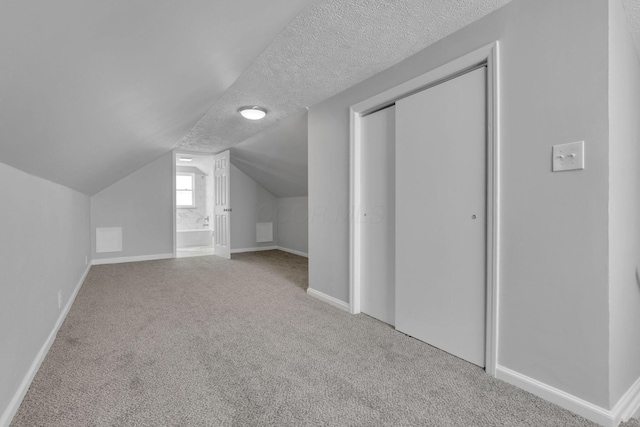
[210, 342]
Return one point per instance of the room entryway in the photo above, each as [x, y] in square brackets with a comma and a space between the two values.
[194, 190]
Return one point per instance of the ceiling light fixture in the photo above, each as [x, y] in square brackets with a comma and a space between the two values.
[185, 159]
[252, 112]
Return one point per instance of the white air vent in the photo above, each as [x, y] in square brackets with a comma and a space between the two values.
[264, 232]
[109, 239]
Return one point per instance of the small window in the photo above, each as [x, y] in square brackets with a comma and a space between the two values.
[184, 190]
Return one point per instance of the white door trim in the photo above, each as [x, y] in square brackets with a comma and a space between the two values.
[174, 207]
[486, 55]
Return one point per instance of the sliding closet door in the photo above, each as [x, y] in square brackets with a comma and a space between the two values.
[441, 216]
[377, 215]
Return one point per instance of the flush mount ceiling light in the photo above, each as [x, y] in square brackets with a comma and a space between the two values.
[185, 159]
[252, 112]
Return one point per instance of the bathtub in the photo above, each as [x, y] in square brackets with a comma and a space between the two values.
[194, 237]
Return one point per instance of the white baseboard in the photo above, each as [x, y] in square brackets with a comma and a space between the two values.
[131, 259]
[629, 404]
[262, 248]
[293, 251]
[328, 299]
[269, 248]
[622, 411]
[14, 405]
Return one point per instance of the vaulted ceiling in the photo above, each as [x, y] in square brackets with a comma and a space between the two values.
[92, 90]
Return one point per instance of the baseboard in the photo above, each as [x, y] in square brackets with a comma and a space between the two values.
[328, 299]
[629, 404]
[262, 248]
[588, 410]
[131, 259]
[14, 405]
[293, 251]
[269, 248]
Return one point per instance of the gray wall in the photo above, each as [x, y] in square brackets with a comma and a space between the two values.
[277, 157]
[624, 204]
[293, 223]
[142, 204]
[43, 244]
[554, 226]
[251, 204]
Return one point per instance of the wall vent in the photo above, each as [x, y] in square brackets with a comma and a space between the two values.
[264, 232]
[108, 239]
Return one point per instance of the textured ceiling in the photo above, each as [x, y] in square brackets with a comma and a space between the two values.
[331, 46]
[91, 90]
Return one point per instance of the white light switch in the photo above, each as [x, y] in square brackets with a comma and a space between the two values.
[567, 157]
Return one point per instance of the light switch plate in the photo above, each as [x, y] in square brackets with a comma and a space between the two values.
[567, 157]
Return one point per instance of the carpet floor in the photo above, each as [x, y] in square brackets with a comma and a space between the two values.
[210, 342]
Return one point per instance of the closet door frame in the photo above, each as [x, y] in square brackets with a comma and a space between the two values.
[485, 56]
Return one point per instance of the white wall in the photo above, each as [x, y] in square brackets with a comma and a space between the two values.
[554, 312]
[43, 244]
[624, 204]
[251, 204]
[142, 204]
[293, 223]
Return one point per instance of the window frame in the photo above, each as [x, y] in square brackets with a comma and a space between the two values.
[193, 190]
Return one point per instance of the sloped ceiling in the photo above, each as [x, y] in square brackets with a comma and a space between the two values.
[331, 46]
[91, 90]
[277, 157]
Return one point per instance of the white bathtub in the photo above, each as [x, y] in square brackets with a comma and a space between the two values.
[195, 237]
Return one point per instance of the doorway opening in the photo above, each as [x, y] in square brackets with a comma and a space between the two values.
[194, 210]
